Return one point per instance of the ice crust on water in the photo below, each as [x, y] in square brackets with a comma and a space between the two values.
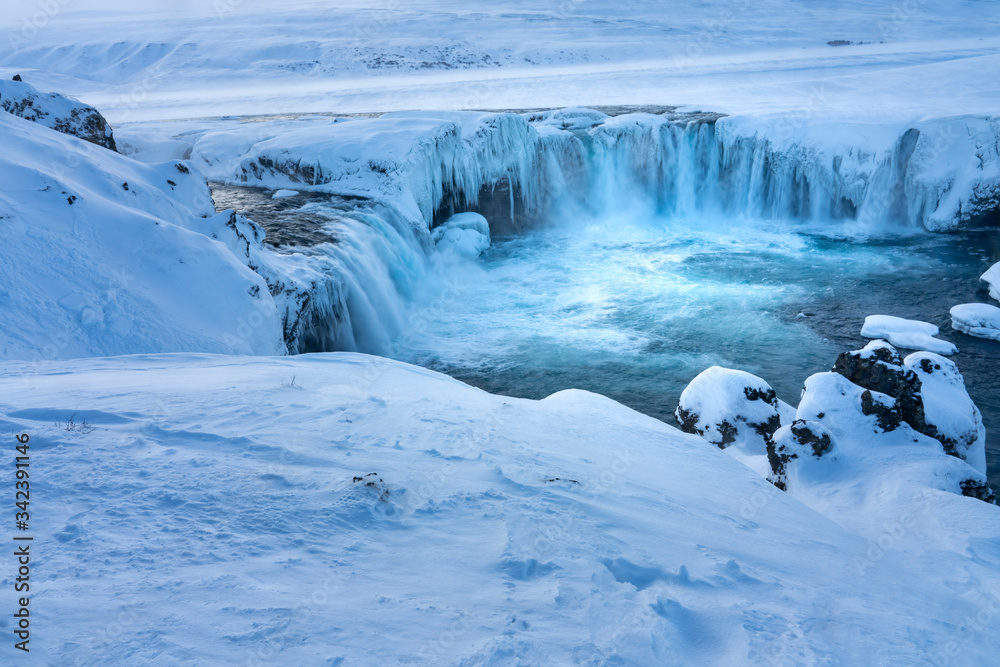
[977, 319]
[910, 334]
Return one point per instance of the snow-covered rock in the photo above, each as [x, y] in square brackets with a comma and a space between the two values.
[793, 447]
[977, 319]
[992, 279]
[465, 234]
[55, 111]
[872, 452]
[281, 194]
[893, 390]
[910, 334]
[925, 391]
[730, 407]
[950, 416]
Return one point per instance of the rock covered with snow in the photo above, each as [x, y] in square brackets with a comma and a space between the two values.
[977, 319]
[873, 416]
[910, 334]
[796, 445]
[950, 415]
[465, 234]
[924, 390]
[730, 407]
[992, 279]
[878, 447]
[893, 391]
[55, 111]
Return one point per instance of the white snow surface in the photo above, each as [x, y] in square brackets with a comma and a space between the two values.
[465, 234]
[104, 255]
[280, 194]
[898, 61]
[977, 319]
[948, 407]
[992, 278]
[200, 509]
[909, 334]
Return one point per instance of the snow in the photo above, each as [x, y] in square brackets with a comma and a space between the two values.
[977, 319]
[464, 234]
[280, 194]
[992, 278]
[905, 62]
[731, 409]
[103, 255]
[910, 334]
[209, 512]
[948, 408]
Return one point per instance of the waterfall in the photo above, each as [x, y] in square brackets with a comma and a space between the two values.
[410, 171]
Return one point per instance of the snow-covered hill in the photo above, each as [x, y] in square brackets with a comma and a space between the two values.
[347, 509]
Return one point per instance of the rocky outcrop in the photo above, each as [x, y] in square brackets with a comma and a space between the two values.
[62, 114]
[801, 440]
[879, 368]
[728, 407]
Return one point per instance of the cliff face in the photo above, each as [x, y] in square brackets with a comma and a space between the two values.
[62, 114]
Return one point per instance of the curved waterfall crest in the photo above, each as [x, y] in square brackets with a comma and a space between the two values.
[407, 172]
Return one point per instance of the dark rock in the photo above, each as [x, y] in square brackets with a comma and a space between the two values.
[17, 77]
[879, 368]
[799, 440]
[886, 412]
[975, 488]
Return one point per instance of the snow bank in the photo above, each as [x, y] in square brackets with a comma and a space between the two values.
[910, 334]
[341, 506]
[103, 255]
[57, 112]
[977, 319]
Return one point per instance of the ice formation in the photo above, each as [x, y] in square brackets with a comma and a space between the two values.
[910, 334]
[977, 319]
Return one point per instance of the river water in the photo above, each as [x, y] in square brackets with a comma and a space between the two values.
[633, 306]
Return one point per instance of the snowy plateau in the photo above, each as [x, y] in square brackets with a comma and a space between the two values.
[218, 225]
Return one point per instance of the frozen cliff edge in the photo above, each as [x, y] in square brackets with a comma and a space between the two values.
[104, 255]
[934, 174]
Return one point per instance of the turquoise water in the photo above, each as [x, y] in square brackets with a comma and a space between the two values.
[633, 309]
